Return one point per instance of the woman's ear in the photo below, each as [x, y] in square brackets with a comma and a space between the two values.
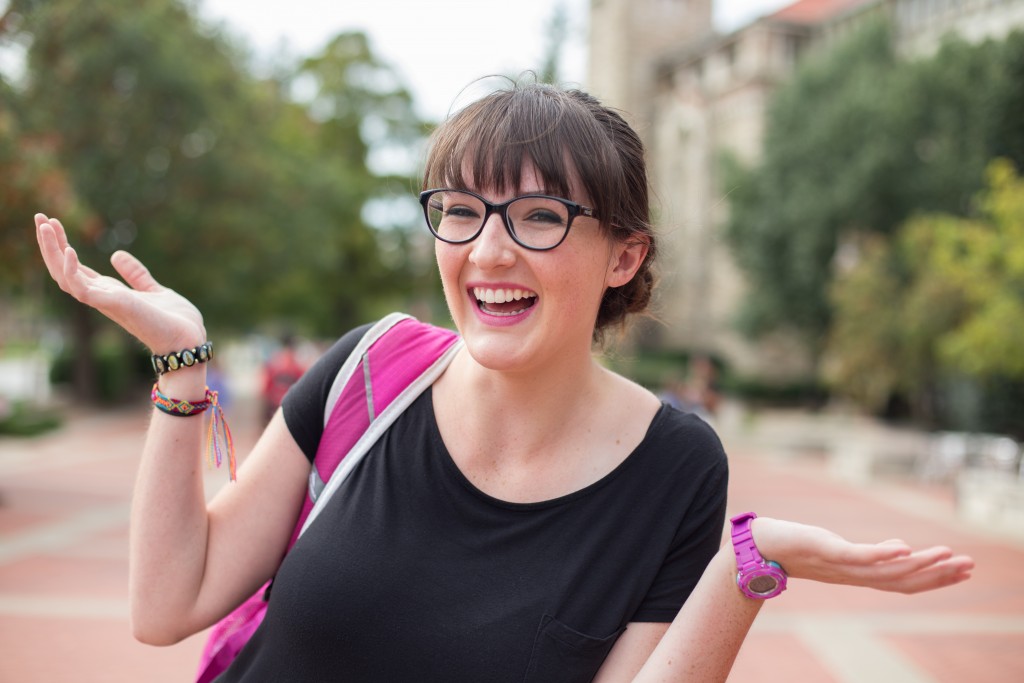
[626, 258]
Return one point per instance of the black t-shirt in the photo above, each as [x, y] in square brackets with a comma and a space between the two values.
[411, 573]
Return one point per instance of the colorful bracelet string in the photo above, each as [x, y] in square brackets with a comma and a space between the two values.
[218, 437]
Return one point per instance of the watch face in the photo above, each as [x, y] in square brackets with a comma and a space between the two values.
[762, 582]
[763, 585]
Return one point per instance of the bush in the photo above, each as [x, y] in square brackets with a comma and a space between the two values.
[808, 394]
[119, 370]
[27, 420]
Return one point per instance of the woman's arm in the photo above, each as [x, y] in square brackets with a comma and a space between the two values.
[189, 563]
[702, 642]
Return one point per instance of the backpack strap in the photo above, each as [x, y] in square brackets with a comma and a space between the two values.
[394, 362]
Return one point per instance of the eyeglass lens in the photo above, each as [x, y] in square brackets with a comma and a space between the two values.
[537, 222]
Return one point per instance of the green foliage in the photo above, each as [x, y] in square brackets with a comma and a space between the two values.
[24, 419]
[123, 368]
[986, 262]
[361, 111]
[1006, 102]
[889, 311]
[856, 143]
[143, 129]
[939, 304]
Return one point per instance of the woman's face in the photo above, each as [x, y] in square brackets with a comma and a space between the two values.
[520, 309]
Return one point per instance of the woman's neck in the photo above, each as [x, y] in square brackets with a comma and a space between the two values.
[519, 411]
[529, 437]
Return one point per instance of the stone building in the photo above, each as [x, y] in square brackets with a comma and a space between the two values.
[693, 93]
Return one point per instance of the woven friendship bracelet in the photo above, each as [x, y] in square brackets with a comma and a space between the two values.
[177, 407]
[185, 358]
[218, 437]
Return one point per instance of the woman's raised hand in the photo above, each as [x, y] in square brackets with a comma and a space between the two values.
[811, 552]
[157, 316]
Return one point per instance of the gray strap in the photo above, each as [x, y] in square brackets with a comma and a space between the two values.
[379, 426]
[352, 363]
[316, 484]
[368, 383]
[355, 360]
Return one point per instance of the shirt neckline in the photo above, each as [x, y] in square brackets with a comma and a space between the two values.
[635, 455]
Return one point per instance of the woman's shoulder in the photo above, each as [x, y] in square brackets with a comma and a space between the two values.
[683, 440]
[304, 403]
[678, 422]
[668, 422]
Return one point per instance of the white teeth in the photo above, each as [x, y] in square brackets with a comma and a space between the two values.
[500, 296]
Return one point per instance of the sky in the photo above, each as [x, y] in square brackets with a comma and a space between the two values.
[438, 47]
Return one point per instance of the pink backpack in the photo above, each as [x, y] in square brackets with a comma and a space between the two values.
[394, 362]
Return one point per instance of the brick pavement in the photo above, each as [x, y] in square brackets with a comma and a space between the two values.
[63, 573]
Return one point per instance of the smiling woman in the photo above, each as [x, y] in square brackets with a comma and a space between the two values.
[529, 515]
[565, 138]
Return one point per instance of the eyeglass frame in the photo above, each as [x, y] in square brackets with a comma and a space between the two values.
[575, 209]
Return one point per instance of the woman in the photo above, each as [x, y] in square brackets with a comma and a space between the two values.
[532, 516]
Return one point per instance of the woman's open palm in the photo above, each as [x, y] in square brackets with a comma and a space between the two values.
[157, 316]
[814, 553]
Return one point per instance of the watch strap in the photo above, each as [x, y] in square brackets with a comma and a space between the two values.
[756, 577]
[747, 554]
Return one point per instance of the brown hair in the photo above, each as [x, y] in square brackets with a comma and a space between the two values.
[561, 132]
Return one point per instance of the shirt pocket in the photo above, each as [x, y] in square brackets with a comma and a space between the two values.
[564, 655]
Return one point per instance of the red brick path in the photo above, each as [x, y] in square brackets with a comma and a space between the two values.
[63, 573]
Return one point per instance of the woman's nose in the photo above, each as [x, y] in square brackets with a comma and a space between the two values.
[494, 246]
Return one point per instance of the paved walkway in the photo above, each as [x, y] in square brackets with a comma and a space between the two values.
[63, 573]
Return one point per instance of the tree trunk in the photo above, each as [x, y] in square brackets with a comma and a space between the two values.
[85, 376]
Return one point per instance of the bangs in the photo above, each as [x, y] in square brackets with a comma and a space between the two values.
[492, 139]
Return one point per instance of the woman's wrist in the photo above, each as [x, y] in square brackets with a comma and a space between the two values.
[758, 576]
[765, 532]
[184, 358]
[187, 384]
[186, 340]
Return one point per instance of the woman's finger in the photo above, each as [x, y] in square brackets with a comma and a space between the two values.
[870, 554]
[894, 541]
[76, 286]
[87, 271]
[85, 284]
[134, 272]
[53, 255]
[886, 574]
[947, 572]
[58, 230]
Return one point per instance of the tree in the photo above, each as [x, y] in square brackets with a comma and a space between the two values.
[128, 100]
[985, 260]
[942, 300]
[857, 142]
[363, 114]
[247, 201]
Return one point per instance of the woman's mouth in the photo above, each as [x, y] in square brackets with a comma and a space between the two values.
[504, 301]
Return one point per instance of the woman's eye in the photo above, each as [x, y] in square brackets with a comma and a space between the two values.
[542, 216]
[461, 212]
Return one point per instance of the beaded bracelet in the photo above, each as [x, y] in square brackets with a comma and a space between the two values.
[185, 358]
[218, 436]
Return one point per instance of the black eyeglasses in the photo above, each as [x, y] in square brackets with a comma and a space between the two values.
[534, 221]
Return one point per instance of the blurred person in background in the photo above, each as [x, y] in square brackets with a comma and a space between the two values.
[282, 369]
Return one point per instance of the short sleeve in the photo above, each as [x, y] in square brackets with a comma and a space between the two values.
[303, 405]
[698, 537]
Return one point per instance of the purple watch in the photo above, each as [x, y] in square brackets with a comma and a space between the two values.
[757, 577]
